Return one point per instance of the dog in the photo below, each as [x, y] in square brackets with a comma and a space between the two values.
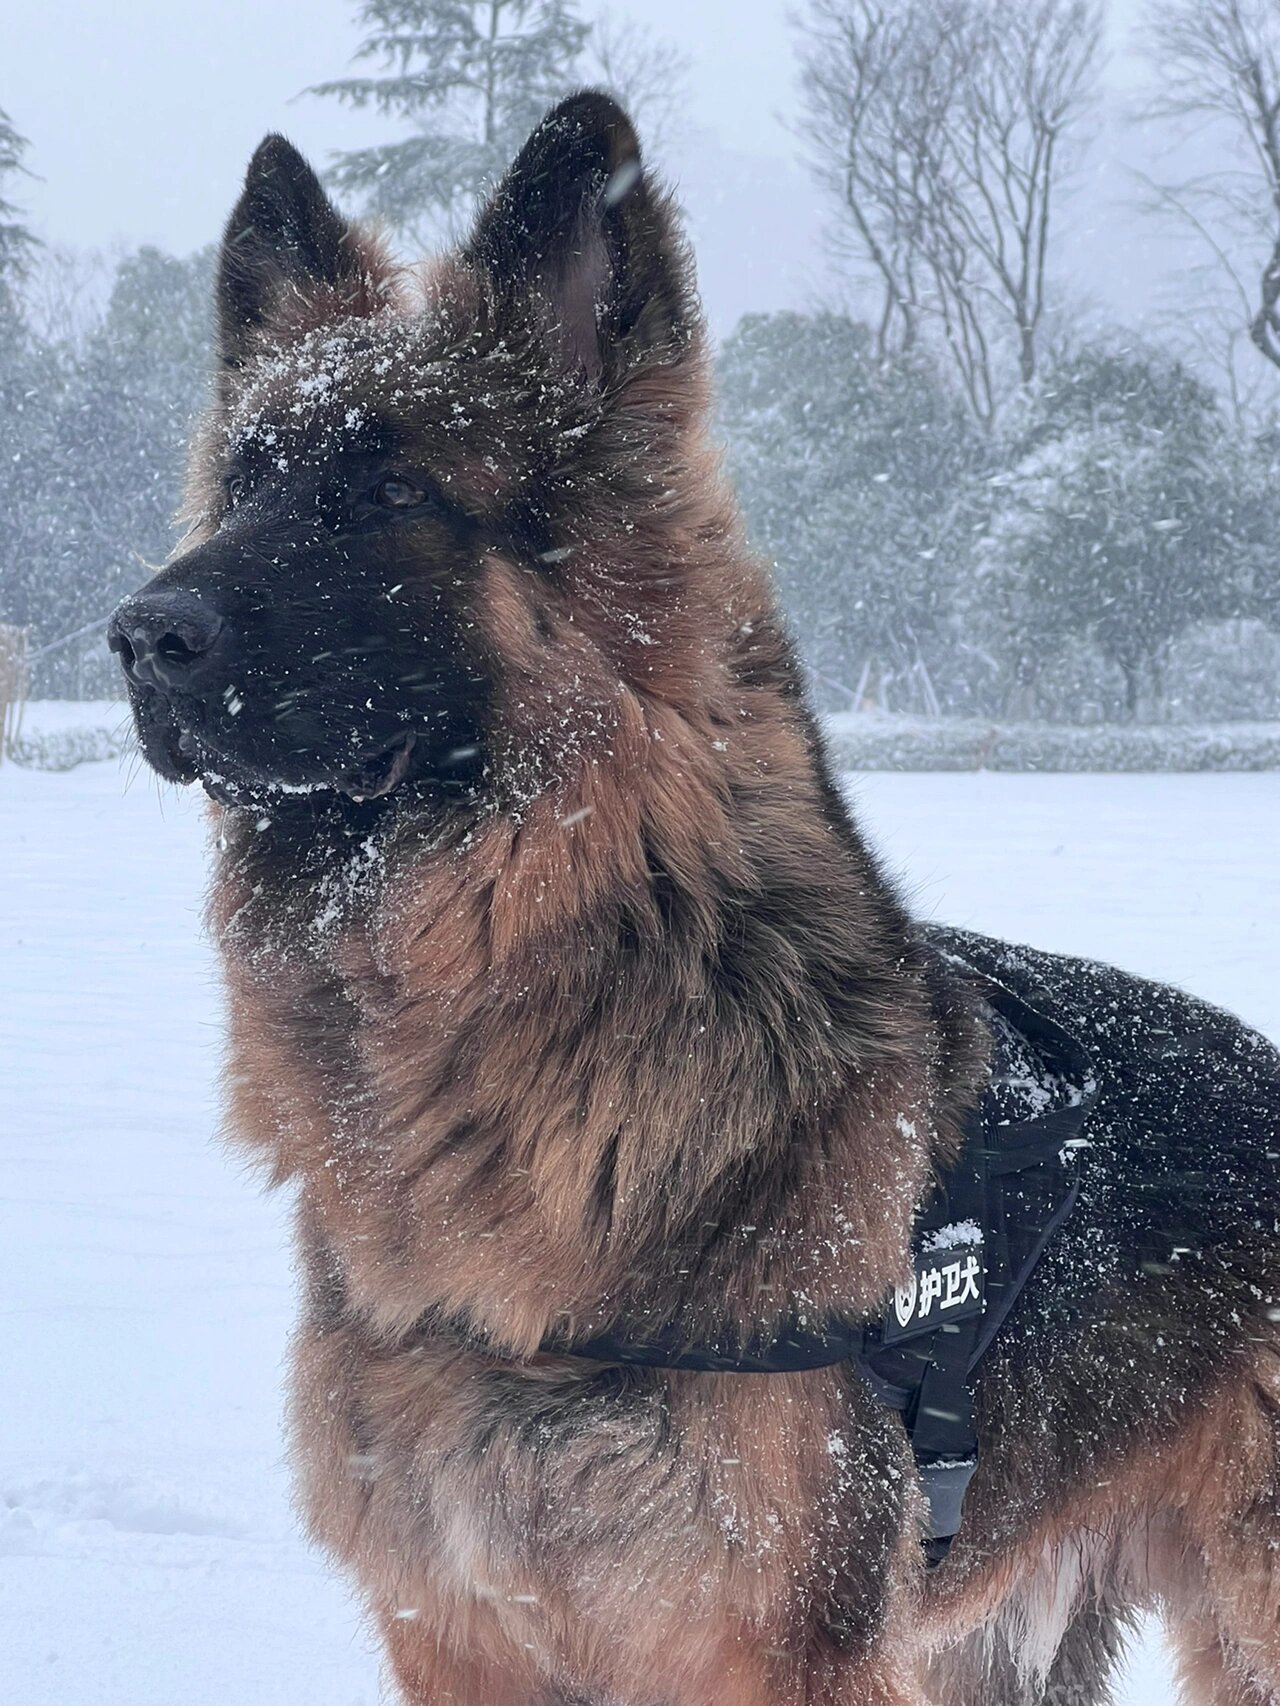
[565, 995]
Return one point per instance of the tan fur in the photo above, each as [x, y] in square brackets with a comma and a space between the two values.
[408, 1044]
[1188, 1530]
[568, 1056]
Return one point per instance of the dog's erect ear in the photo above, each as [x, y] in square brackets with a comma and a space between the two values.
[578, 224]
[284, 235]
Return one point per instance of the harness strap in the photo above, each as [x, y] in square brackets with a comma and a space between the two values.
[992, 1213]
[792, 1349]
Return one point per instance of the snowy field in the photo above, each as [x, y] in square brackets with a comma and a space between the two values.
[147, 1552]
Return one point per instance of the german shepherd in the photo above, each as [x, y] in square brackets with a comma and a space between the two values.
[565, 994]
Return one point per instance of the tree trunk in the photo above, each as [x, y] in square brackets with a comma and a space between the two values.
[1026, 353]
[1132, 673]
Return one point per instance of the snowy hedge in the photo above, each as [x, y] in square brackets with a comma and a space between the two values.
[908, 743]
[58, 740]
[64, 748]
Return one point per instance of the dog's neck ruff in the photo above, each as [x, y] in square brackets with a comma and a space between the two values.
[978, 1237]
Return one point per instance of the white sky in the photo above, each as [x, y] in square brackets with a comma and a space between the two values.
[142, 114]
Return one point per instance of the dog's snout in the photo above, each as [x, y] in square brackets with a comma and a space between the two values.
[168, 639]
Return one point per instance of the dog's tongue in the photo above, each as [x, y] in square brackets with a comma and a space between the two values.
[383, 770]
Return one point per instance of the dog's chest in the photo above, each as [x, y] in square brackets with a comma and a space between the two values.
[486, 1482]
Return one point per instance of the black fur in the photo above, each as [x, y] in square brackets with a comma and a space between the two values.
[283, 230]
[576, 222]
[1166, 1277]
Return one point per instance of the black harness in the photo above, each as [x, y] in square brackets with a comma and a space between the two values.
[977, 1240]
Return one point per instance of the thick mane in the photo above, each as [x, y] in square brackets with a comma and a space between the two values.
[640, 1026]
[492, 1125]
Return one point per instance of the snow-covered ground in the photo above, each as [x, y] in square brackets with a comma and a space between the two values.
[147, 1552]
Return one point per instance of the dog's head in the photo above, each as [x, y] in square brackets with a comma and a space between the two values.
[426, 508]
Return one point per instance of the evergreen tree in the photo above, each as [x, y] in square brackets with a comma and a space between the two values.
[17, 241]
[93, 435]
[1255, 530]
[32, 377]
[471, 78]
[856, 474]
[1115, 521]
[26, 381]
[123, 426]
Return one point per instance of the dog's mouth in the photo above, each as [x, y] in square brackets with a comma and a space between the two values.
[375, 773]
[382, 769]
[361, 767]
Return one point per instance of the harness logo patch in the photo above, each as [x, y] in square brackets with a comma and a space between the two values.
[948, 1285]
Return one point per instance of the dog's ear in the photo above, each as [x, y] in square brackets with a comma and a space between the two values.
[578, 225]
[284, 238]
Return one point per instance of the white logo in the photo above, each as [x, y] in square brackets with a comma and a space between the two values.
[937, 1288]
[962, 1282]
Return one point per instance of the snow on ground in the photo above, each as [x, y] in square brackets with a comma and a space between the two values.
[147, 1552]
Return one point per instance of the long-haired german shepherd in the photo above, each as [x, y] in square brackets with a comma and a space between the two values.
[565, 993]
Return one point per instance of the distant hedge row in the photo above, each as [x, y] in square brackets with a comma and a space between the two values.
[908, 743]
[63, 749]
[868, 742]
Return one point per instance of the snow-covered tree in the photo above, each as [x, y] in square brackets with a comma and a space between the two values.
[857, 477]
[470, 79]
[1113, 523]
[136, 388]
[31, 381]
[1255, 530]
[942, 130]
[17, 240]
[91, 460]
[26, 375]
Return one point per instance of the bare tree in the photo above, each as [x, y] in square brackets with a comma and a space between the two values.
[941, 127]
[1218, 65]
[648, 73]
[66, 292]
[860, 71]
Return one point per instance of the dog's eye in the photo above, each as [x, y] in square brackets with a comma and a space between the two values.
[395, 492]
[235, 489]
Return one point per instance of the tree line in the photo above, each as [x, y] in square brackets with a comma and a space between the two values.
[978, 503]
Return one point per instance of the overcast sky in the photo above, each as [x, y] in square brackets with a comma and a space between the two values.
[142, 114]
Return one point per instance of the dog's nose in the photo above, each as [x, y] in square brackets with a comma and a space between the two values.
[168, 639]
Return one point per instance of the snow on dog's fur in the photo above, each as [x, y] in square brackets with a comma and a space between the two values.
[565, 992]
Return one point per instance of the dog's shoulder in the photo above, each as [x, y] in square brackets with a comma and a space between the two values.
[1115, 1014]
[1184, 1128]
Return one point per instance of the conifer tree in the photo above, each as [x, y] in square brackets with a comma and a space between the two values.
[857, 476]
[470, 78]
[17, 241]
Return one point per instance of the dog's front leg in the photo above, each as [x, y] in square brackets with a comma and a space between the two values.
[877, 1680]
[468, 1667]
[736, 1672]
